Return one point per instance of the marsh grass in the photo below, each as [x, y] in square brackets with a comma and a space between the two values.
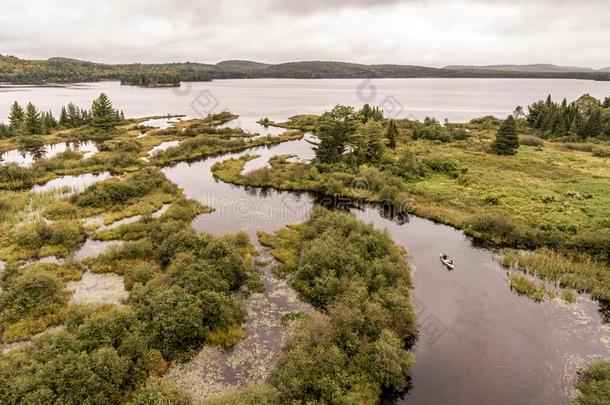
[525, 285]
[577, 272]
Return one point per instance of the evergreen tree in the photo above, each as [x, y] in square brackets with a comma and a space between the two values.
[103, 116]
[48, 121]
[63, 117]
[366, 112]
[32, 124]
[16, 116]
[606, 103]
[334, 130]
[391, 134]
[368, 143]
[507, 141]
[74, 116]
[5, 132]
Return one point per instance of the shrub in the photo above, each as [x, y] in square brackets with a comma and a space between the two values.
[594, 384]
[160, 391]
[531, 141]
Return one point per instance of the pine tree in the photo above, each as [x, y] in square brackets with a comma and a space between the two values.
[16, 116]
[507, 141]
[391, 134]
[74, 116]
[32, 124]
[5, 132]
[63, 117]
[366, 112]
[368, 142]
[103, 116]
[606, 103]
[49, 122]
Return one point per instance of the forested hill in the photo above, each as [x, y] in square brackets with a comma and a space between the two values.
[63, 70]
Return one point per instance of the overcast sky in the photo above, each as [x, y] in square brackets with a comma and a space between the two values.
[424, 32]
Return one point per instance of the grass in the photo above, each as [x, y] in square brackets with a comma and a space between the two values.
[139, 193]
[524, 285]
[569, 271]
[203, 146]
[594, 385]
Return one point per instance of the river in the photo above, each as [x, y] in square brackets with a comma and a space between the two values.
[480, 342]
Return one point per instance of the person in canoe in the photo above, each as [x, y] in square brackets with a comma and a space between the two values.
[446, 261]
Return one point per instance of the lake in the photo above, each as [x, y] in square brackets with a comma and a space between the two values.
[455, 99]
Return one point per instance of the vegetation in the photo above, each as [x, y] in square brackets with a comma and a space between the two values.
[63, 70]
[357, 345]
[185, 291]
[582, 119]
[203, 146]
[506, 142]
[526, 286]
[594, 384]
[30, 121]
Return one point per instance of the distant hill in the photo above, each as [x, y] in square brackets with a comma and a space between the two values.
[241, 65]
[65, 70]
[535, 68]
[605, 69]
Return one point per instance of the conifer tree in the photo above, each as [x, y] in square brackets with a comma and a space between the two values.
[368, 143]
[507, 141]
[391, 134]
[32, 124]
[103, 116]
[63, 117]
[16, 116]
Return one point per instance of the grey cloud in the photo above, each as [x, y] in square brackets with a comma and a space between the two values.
[430, 32]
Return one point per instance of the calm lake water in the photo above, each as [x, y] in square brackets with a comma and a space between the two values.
[456, 99]
[480, 343]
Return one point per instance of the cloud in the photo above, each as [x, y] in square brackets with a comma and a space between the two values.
[429, 32]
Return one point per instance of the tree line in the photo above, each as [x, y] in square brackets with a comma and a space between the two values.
[31, 121]
[584, 118]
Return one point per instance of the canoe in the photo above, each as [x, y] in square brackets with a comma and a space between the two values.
[447, 263]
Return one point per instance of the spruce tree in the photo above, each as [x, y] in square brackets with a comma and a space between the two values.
[63, 117]
[606, 103]
[32, 124]
[16, 116]
[74, 116]
[391, 134]
[507, 141]
[103, 116]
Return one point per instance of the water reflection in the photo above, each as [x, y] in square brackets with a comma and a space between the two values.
[27, 156]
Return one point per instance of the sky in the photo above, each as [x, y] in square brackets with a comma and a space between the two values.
[419, 32]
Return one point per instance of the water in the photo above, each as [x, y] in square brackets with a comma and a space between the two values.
[27, 157]
[162, 146]
[73, 183]
[480, 342]
[456, 99]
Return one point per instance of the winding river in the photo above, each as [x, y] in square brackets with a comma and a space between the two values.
[479, 342]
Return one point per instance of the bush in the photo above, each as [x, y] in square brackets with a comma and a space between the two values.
[31, 294]
[360, 282]
[159, 391]
[531, 141]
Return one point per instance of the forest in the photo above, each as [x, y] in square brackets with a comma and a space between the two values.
[64, 70]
